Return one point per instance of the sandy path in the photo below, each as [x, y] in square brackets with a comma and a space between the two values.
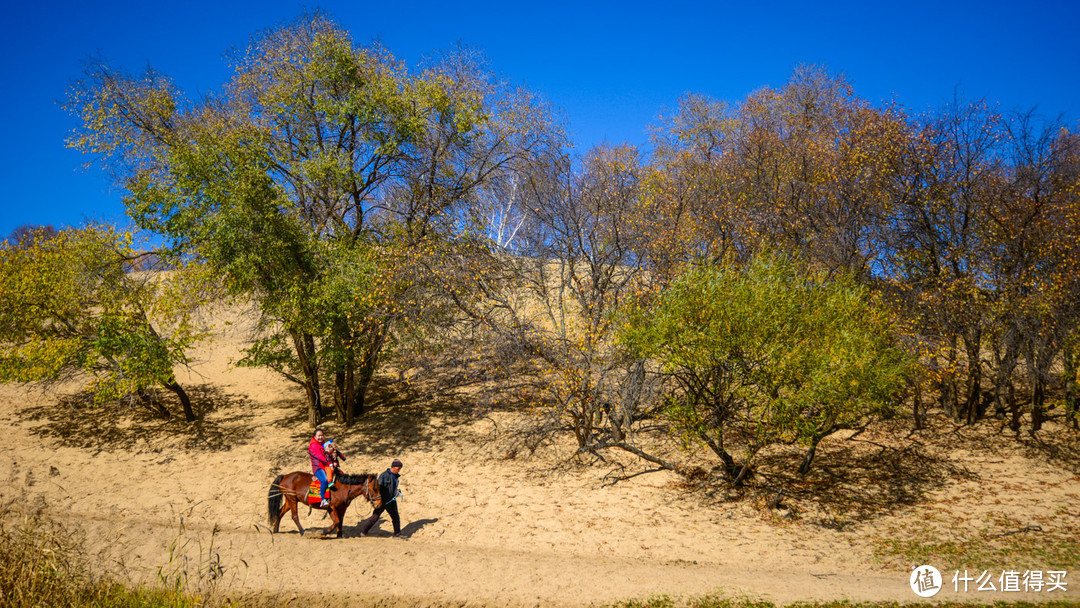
[432, 572]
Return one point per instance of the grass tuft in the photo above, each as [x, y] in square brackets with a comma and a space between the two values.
[42, 564]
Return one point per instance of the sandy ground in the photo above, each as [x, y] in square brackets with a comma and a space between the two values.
[167, 499]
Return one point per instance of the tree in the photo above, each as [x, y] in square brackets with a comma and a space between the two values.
[71, 306]
[317, 154]
[771, 353]
[26, 234]
[549, 306]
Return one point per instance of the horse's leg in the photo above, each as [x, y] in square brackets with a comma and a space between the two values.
[336, 525]
[295, 517]
[341, 519]
[281, 511]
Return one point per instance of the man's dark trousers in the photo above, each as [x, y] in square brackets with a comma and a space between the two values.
[391, 509]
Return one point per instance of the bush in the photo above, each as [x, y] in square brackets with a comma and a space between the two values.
[770, 353]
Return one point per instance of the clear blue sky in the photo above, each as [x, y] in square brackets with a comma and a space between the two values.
[611, 68]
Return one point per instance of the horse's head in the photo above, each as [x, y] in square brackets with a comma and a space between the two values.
[371, 490]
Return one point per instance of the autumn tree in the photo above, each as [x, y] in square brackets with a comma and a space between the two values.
[26, 234]
[71, 307]
[311, 181]
[1032, 244]
[948, 177]
[548, 306]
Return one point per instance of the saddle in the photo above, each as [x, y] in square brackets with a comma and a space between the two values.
[313, 497]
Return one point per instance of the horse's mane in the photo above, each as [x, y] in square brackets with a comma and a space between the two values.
[353, 480]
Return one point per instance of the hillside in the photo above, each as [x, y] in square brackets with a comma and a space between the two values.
[488, 526]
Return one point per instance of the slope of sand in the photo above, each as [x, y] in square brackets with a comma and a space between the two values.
[167, 499]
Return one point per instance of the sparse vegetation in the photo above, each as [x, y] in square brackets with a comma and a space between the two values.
[1024, 550]
[715, 601]
[43, 565]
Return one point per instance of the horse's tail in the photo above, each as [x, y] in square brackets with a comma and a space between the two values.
[273, 500]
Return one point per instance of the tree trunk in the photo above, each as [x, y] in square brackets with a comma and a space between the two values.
[1003, 387]
[1044, 357]
[1038, 385]
[641, 454]
[826, 428]
[340, 390]
[804, 466]
[1038, 399]
[365, 371]
[189, 412]
[344, 373]
[734, 472]
[305, 354]
[950, 400]
[974, 388]
[350, 392]
[1014, 410]
[916, 402]
[744, 472]
[1072, 380]
[171, 383]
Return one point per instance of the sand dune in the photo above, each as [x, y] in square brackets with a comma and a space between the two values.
[481, 529]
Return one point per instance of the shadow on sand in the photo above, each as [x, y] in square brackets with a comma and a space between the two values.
[852, 479]
[76, 421]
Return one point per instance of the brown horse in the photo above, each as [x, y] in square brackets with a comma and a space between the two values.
[293, 487]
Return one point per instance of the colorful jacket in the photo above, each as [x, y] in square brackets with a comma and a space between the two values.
[319, 459]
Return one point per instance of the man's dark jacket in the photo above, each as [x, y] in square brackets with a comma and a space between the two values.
[388, 483]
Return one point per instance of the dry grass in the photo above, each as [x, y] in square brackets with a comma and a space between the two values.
[715, 601]
[42, 564]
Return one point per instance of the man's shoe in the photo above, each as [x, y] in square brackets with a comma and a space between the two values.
[324, 503]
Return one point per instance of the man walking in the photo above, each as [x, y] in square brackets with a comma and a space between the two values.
[388, 490]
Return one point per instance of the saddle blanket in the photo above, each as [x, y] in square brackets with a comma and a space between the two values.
[313, 497]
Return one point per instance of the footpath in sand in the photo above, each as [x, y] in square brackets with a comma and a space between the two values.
[163, 498]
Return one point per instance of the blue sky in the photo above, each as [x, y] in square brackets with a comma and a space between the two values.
[611, 68]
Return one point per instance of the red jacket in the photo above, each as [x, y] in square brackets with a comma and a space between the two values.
[319, 458]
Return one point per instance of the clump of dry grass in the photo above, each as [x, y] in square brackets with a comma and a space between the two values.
[39, 564]
[43, 564]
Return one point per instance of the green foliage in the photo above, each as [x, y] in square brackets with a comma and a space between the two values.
[71, 305]
[319, 168]
[771, 353]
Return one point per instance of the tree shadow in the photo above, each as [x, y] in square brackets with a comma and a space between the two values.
[405, 416]
[77, 421]
[852, 480]
[1060, 447]
[1055, 443]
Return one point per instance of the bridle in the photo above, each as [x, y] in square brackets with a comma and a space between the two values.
[368, 489]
